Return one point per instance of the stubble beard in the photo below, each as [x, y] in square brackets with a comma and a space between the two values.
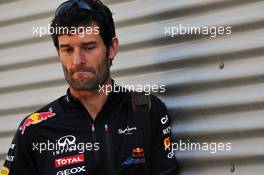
[93, 83]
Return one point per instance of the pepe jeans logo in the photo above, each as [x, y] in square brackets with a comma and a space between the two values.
[127, 130]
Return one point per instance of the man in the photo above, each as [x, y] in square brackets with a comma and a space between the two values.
[90, 131]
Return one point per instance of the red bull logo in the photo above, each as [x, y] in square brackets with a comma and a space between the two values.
[36, 118]
[138, 152]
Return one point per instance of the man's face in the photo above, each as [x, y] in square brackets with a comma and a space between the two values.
[85, 60]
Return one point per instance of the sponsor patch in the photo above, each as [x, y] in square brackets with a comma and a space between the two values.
[164, 119]
[167, 143]
[10, 158]
[166, 130]
[131, 161]
[4, 171]
[36, 118]
[127, 131]
[70, 160]
[138, 152]
[72, 171]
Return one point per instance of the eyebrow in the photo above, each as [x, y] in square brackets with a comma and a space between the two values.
[89, 43]
[83, 44]
[63, 46]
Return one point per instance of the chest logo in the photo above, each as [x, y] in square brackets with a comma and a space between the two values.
[70, 160]
[66, 140]
[127, 131]
[4, 171]
[138, 152]
[36, 118]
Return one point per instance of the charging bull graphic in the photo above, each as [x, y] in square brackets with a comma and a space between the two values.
[36, 118]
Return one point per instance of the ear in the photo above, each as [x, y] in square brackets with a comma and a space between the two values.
[113, 50]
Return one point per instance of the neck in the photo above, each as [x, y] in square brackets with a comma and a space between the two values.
[94, 100]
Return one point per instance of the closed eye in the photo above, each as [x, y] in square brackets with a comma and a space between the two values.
[89, 48]
[67, 50]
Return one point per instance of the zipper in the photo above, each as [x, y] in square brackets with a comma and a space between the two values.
[96, 153]
[109, 151]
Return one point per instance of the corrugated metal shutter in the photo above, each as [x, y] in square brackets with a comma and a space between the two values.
[213, 85]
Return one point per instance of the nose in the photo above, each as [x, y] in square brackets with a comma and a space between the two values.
[78, 57]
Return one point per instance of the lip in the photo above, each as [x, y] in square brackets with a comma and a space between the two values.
[82, 72]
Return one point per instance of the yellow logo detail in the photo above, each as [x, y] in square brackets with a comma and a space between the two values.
[4, 171]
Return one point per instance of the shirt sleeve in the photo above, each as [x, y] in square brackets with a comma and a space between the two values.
[19, 159]
[163, 161]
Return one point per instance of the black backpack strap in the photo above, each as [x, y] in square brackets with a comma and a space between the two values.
[141, 105]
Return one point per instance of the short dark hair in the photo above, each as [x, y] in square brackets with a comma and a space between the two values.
[77, 17]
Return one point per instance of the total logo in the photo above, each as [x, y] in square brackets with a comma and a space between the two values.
[72, 171]
[36, 118]
[70, 160]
